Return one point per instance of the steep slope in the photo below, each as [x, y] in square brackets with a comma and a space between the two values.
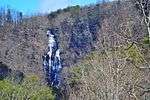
[118, 69]
[23, 45]
[108, 75]
[82, 30]
[113, 31]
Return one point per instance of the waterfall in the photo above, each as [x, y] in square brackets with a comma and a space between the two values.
[52, 62]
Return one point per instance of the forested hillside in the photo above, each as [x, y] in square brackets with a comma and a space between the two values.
[104, 49]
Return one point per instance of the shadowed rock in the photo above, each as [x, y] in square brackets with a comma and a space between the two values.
[4, 71]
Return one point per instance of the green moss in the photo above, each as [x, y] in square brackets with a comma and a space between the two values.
[146, 40]
[32, 78]
[77, 70]
[135, 55]
[75, 75]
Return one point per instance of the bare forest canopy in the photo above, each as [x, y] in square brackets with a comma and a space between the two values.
[104, 50]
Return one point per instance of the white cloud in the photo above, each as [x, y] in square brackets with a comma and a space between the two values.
[52, 5]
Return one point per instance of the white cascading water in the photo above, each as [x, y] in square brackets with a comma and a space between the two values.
[52, 61]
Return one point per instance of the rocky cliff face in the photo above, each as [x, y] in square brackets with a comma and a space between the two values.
[83, 30]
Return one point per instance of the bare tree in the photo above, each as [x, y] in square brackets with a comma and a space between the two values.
[9, 16]
[144, 8]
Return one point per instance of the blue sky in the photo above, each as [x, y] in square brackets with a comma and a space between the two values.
[41, 6]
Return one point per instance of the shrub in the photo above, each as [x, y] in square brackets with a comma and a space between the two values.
[146, 40]
[29, 89]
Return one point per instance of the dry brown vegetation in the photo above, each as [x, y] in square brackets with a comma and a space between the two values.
[119, 68]
[106, 47]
